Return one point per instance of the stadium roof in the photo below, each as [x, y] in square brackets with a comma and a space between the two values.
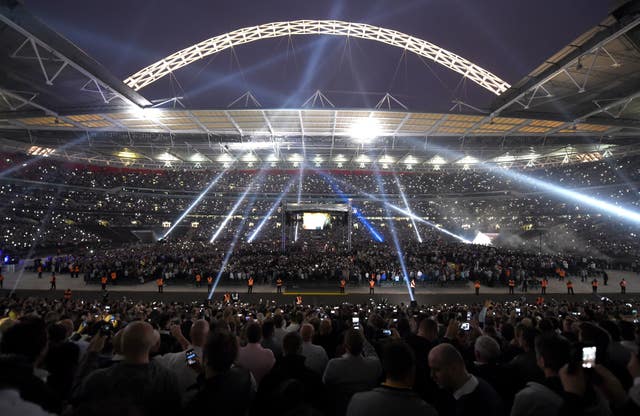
[580, 104]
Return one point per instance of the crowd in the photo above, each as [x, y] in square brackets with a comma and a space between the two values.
[107, 357]
[433, 262]
[49, 204]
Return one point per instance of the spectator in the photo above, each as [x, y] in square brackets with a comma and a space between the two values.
[135, 383]
[467, 394]
[395, 395]
[315, 356]
[225, 390]
[269, 340]
[353, 372]
[254, 357]
[290, 387]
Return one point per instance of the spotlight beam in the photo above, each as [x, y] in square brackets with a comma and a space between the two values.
[402, 211]
[406, 204]
[394, 234]
[195, 202]
[331, 180]
[236, 206]
[275, 205]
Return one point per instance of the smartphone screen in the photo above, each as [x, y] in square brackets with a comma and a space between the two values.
[465, 326]
[588, 357]
[469, 316]
[386, 332]
[356, 322]
[190, 356]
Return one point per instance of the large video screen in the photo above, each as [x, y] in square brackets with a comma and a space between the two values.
[315, 220]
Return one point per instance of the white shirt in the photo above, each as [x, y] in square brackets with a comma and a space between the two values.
[12, 404]
[467, 388]
[177, 363]
[316, 357]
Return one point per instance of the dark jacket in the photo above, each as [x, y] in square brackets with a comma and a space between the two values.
[230, 393]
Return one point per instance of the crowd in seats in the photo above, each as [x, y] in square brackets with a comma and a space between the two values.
[105, 357]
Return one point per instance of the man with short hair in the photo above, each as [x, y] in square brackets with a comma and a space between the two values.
[353, 372]
[136, 383]
[176, 361]
[254, 357]
[225, 390]
[395, 395]
[469, 395]
[316, 356]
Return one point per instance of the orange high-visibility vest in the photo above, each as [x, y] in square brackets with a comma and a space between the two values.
[372, 283]
[477, 284]
[298, 300]
[103, 280]
[594, 283]
[545, 282]
[343, 283]
[198, 278]
[113, 275]
[623, 283]
[209, 279]
[279, 282]
[569, 285]
[227, 297]
[160, 282]
[250, 281]
[412, 284]
[512, 283]
[77, 269]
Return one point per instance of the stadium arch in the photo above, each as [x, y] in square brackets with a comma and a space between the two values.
[213, 45]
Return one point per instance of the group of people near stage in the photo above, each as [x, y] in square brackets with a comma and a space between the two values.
[77, 356]
[436, 263]
[100, 205]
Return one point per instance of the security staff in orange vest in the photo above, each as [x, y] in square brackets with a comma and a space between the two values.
[39, 272]
[539, 301]
[279, 285]
[569, 288]
[512, 285]
[227, 297]
[160, 283]
[343, 283]
[67, 294]
[372, 284]
[209, 283]
[623, 286]
[476, 285]
[544, 285]
[198, 279]
[113, 278]
[103, 282]
[53, 281]
[594, 285]
[250, 285]
[77, 270]
[298, 300]
[412, 285]
[1, 280]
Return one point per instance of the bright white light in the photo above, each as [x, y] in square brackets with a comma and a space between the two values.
[146, 113]
[249, 157]
[437, 160]
[410, 160]
[198, 157]
[252, 145]
[387, 159]
[468, 160]
[296, 157]
[482, 239]
[167, 157]
[364, 130]
[363, 159]
[225, 157]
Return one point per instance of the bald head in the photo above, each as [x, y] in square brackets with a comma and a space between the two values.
[306, 332]
[447, 367]
[138, 338]
[199, 332]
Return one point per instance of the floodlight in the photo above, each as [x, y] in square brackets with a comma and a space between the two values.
[364, 130]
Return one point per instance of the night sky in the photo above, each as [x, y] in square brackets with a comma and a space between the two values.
[507, 37]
